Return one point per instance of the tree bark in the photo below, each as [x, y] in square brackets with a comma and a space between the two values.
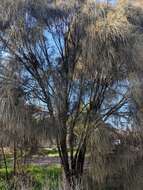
[14, 159]
[73, 176]
[5, 162]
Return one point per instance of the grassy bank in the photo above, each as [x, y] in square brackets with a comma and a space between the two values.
[33, 177]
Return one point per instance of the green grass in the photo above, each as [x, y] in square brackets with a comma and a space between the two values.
[39, 175]
[3, 184]
[48, 152]
[3, 171]
[45, 176]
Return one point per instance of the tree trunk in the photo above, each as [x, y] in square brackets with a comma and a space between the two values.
[73, 177]
[5, 162]
[14, 159]
[72, 181]
[66, 185]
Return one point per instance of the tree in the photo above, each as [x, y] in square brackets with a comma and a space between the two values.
[20, 129]
[70, 64]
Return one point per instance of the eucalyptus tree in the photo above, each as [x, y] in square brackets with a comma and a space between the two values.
[72, 56]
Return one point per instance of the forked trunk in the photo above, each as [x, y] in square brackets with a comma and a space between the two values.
[73, 177]
[72, 181]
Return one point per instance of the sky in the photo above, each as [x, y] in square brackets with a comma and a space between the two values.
[111, 1]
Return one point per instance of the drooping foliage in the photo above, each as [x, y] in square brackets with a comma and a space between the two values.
[76, 62]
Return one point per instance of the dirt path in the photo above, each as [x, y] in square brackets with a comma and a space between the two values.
[44, 160]
[48, 161]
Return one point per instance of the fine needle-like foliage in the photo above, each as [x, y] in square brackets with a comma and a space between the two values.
[74, 61]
